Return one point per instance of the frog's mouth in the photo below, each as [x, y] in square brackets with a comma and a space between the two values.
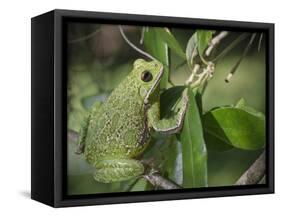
[154, 85]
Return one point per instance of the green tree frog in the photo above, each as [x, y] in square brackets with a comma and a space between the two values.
[117, 131]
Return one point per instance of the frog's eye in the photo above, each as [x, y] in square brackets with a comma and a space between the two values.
[146, 76]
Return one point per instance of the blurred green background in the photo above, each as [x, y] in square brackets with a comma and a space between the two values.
[99, 58]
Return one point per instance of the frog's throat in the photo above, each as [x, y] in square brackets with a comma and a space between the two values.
[153, 87]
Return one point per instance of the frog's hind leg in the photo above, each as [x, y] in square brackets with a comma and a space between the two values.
[117, 170]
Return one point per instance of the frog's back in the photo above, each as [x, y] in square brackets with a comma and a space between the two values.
[118, 128]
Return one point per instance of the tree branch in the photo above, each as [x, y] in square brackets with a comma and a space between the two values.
[255, 173]
[157, 180]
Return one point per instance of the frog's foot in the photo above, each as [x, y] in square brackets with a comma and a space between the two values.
[117, 170]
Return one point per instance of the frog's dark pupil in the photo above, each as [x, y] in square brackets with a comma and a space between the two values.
[146, 76]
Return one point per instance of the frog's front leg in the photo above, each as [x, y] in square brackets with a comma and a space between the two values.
[116, 170]
[167, 125]
[84, 127]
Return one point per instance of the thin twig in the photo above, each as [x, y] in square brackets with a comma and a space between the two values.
[260, 41]
[215, 41]
[134, 46]
[255, 173]
[142, 34]
[233, 70]
[231, 46]
[83, 38]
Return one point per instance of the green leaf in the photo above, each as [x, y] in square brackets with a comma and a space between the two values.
[229, 127]
[164, 154]
[158, 48]
[242, 105]
[198, 98]
[203, 38]
[194, 153]
[171, 41]
[191, 49]
[169, 99]
[172, 165]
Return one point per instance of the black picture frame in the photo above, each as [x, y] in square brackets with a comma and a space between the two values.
[49, 131]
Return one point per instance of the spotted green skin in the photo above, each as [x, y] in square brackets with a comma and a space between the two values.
[117, 131]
